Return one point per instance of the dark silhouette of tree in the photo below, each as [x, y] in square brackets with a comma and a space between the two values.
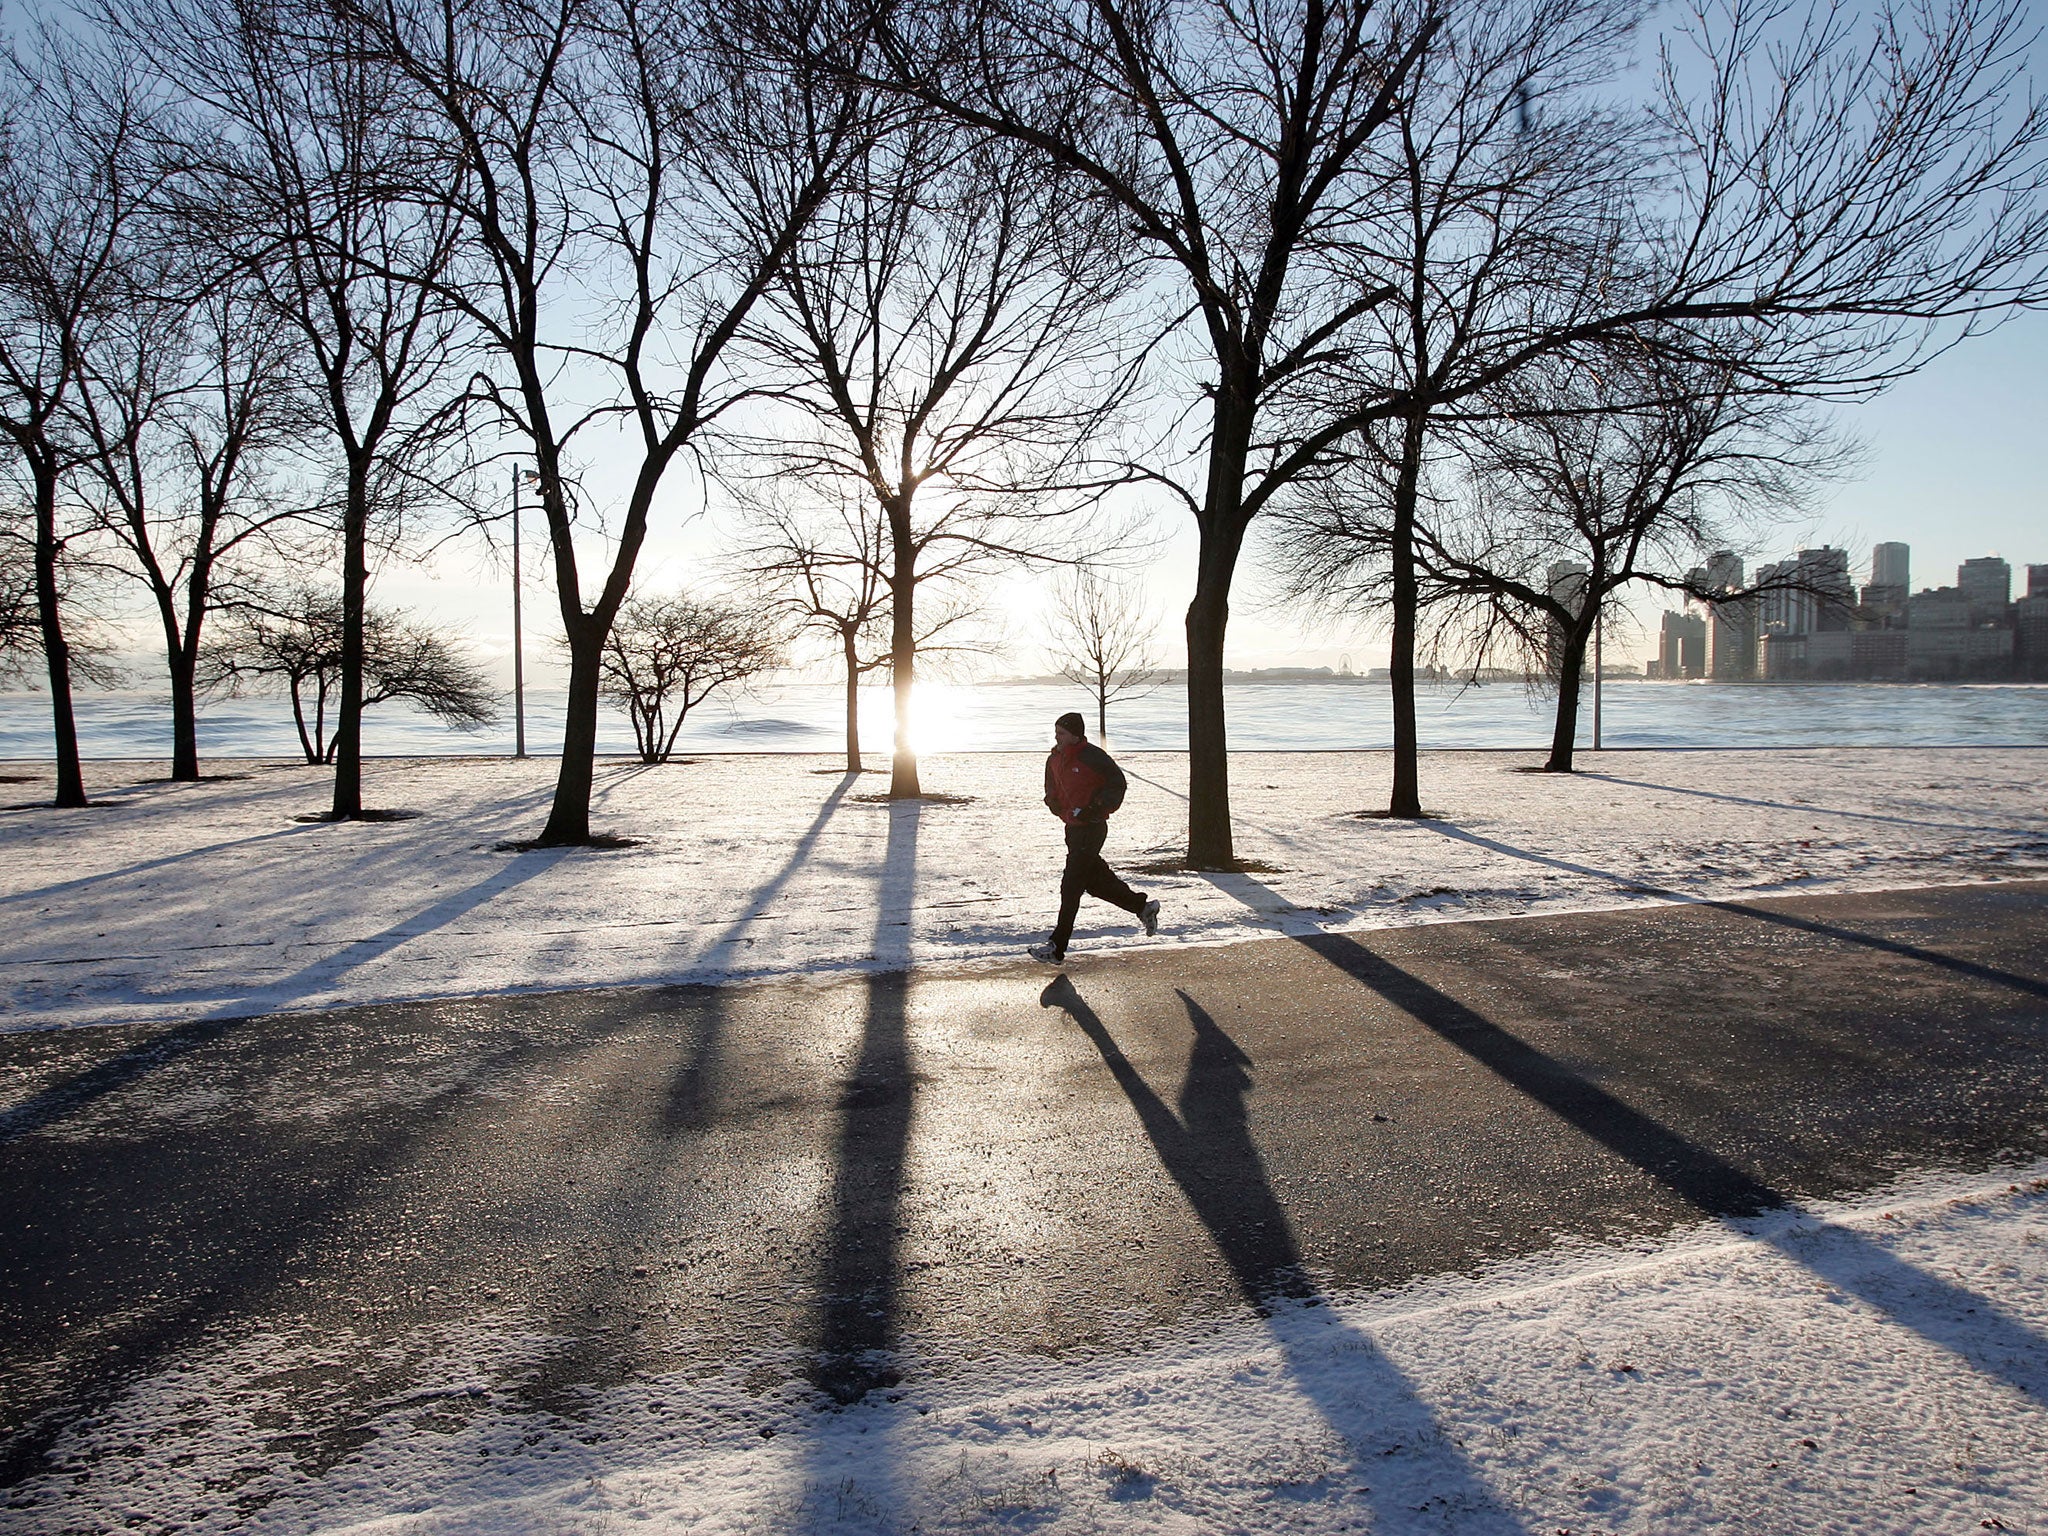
[68, 199]
[944, 344]
[295, 162]
[182, 406]
[666, 655]
[632, 180]
[295, 640]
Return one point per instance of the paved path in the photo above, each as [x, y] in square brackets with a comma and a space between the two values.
[928, 1167]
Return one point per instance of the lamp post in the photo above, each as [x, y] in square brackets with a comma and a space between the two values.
[1599, 629]
[518, 637]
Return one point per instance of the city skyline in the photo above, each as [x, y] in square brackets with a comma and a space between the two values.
[1809, 621]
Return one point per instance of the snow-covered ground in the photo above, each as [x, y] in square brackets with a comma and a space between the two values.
[1873, 1367]
[180, 901]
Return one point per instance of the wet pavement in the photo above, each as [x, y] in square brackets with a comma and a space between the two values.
[887, 1174]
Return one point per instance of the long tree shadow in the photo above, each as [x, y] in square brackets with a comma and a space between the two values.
[254, 1240]
[857, 1338]
[178, 1232]
[1933, 957]
[43, 892]
[1818, 810]
[1945, 1313]
[237, 1007]
[689, 1088]
[1207, 1148]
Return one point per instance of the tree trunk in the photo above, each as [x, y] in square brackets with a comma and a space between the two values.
[1209, 839]
[903, 781]
[355, 586]
[1101, 714]
[852, 651]
[184, 716]
[1405, 799]
[1571, 669]
[56, 650]
[307, 744]
[569, 818]
[1222, 534]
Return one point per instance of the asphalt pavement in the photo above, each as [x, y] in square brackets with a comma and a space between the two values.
[890, 1174]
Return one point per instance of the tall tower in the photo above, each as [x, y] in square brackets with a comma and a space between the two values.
[1731, 627]
[1891, 565]
[1828, 594]
[1891, 582]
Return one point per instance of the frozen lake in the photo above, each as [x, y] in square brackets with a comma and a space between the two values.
[1010, 717]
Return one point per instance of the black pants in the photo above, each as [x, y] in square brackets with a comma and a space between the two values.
[1085, 871]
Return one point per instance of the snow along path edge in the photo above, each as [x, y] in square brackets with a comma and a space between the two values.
[185, 902]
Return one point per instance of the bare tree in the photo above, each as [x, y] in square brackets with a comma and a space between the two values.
[632, 182]
[1806, 205]
[296, 640]
[823, 575]
[20, 625]
[180, 405]
[1616, 495]
[293, 162]
[1101, 640]
[1858, 186]
[666, 655]
[68, 199]
[945, 338]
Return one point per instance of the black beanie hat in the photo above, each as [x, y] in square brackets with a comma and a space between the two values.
[1073, 724]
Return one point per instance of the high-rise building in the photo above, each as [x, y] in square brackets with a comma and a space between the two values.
[2037, 581]
[1890, 583]
[1731, 626]
[1775, 602]
[1829, 594]
[1986, 585]
[1891, 565]
[1682, 646]
[1566, 582]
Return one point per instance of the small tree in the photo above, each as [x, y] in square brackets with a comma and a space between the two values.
[20, 624]
[1619, 495]
[666, 655]
[295, 641]
[1101, 640]
[824, 576]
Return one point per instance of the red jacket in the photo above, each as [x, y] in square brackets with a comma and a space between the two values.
[1082, 783]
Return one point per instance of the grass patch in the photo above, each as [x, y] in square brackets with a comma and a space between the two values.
[1390, 816]
[928, 799]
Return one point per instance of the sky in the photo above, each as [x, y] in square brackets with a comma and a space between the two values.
[1953, 468]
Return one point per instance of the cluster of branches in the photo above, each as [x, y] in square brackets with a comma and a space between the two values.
[293, 640]
[1432, 287]
[666, 655]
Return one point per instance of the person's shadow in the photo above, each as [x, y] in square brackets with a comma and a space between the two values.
[1207, 1148]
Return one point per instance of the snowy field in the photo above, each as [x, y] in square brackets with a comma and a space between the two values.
[1873, 1367]
[183, 901]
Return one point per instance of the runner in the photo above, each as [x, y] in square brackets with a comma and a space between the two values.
[1083, 787]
